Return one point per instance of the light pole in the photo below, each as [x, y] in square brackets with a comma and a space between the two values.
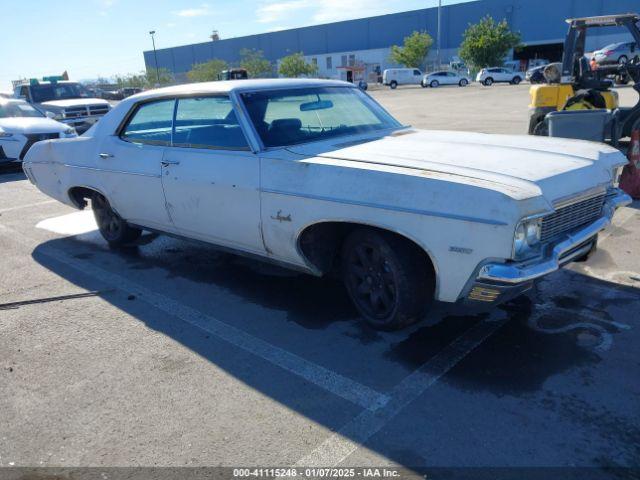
[438, 35]
[155, 55]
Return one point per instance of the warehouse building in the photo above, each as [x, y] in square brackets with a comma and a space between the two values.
[359, 48]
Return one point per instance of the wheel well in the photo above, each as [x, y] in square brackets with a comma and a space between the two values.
[80, 195]
[321, 243]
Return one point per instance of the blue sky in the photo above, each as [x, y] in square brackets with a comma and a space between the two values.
[92, 38]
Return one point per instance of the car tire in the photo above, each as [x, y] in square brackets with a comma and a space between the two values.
[623, 60]
[488, 82]
[113, 228]
[434, 84]
[464, 82]
[541, 129]
[516, 80]
[386, 278]
[423, 85]
[393, 85]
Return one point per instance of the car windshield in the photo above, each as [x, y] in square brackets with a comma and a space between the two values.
[613, 46]
[45, 92]
[18, 109]
[294, 116]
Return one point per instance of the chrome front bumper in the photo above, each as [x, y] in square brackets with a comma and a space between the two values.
[570, 247]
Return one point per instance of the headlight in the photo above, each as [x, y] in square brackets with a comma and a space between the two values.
[527, 238]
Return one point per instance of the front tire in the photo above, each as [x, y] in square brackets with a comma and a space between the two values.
[393, 85]
[434, 84]
[488, 82]
[516, 80]
[112, 227]
[387, 278]
[463, 83]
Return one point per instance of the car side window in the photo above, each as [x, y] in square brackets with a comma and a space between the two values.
[151, 123]
[208, 122]
[417, 72]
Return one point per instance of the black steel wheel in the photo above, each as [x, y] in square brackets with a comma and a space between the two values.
[113, 228]
[387, 278]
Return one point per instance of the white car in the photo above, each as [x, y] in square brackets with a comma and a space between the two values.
[316, 176]
[392, 77]
[489, 76]
[435, 79]
[21, 126]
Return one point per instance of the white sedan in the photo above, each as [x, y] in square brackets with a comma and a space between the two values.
[435, 79]
[316, 176]
[21, 125]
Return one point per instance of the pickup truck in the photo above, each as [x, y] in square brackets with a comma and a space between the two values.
[65, 101]
[316, 176]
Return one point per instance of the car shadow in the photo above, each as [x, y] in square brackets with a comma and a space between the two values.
[11, 172]
[316, 312]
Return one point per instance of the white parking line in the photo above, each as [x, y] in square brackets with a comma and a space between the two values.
[355, 433]
[28, 205]
[328, 380]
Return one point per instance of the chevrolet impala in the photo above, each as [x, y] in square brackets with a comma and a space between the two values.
[316, 176]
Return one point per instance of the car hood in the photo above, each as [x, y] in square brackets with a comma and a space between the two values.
[28, 125]
[519, 166]
[74, 102]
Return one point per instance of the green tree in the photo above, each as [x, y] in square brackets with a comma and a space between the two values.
[487, 43]
[294, 66]
[207, 71]
[414, 50]
[254, 63]
[147, 79]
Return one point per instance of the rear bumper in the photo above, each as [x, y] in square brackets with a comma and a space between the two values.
[497, 282]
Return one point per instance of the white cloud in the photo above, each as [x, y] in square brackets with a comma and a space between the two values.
[273, 12]
[171, 25]
[201, 11]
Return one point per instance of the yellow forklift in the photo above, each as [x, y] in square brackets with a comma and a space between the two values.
[578, 102]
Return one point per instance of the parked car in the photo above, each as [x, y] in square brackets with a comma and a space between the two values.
[535, 75]
[435, 79]
[619, 53]
[66, 101]
[393, 77]
[489, 76]
[21, 125]
[128, 91]
[4, 94]
[316, 176]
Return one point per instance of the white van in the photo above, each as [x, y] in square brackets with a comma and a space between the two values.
[401, 76]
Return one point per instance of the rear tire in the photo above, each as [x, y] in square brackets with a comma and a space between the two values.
[541, 129]
[393, 84]
[463, 82]
[488, 82]
[386, 278]
[516, 80]
[113, 228]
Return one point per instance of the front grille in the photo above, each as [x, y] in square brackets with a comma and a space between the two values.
[98, 109]
[37, 137]
[75, 112]
[571, 216]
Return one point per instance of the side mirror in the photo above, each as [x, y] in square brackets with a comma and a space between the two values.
[50, 115]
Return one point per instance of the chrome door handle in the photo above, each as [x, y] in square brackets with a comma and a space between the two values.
[166, 163]
[105, 155]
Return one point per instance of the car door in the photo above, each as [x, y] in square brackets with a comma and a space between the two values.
[211, 178]
[451, 78]
[128, 164]
[417, 76]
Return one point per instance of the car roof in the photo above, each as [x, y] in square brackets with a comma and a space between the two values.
[227, 86]
[4, 100]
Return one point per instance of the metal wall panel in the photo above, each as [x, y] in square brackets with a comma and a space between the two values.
[537, 20]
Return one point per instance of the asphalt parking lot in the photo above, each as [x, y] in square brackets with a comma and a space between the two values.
[170, 353]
